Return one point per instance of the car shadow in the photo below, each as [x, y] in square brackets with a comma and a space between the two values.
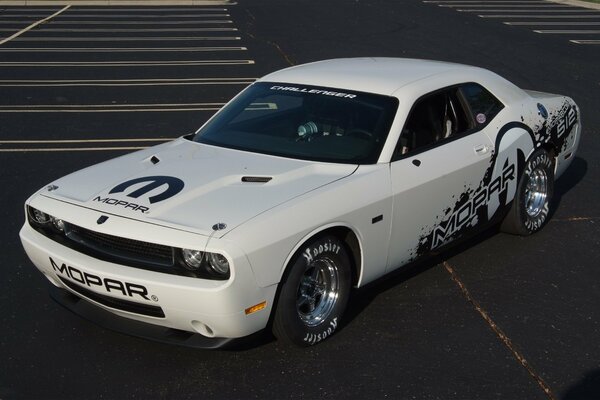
[569, 179]
[362, 297]
[586, 388]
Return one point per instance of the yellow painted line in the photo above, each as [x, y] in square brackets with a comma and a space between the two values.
[85, 141]
[571, 16]
[54, 149]
[546, 5]
[126, 22]
[127, 82]
[564, 32]
[123, 63]
[528, 10]
[117, 49]
[22, 31]
[124, 39]
[535, 23]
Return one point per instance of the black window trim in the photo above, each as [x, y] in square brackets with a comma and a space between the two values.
[466, 107]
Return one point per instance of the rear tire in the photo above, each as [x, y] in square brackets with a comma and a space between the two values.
[314, 293]
[531, 205]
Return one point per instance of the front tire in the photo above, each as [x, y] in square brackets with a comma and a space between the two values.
[314, 293]
[531, 206]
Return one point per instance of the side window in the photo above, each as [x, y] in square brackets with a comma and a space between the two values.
[484, 106]
[433, 118]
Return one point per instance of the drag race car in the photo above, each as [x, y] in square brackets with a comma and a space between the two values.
[313, 180]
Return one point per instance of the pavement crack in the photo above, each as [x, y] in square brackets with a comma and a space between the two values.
[501, 335]
[285, 56]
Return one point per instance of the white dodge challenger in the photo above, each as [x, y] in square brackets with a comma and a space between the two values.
[313, 180]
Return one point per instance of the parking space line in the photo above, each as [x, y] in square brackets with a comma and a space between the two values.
[124, 38]
[145, 16]
[117, 49]
[570, 10]
[22, 31]
[76, 9]
[118, 140]
[583, 41]
[217, 29]
[534, 23]
[126, 22]
[128, 82]
[538, 16]
[130, 63]
[104, 108]
[61, 149]
[499, 332]
[578, 32]
[547, 5]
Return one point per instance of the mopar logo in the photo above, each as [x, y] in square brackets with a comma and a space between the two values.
[173, 186]
[110, 285]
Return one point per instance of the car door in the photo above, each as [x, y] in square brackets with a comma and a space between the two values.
[437, 171]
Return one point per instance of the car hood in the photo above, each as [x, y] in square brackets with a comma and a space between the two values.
[192, 186]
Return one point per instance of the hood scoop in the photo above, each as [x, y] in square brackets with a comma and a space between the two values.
[256, 179]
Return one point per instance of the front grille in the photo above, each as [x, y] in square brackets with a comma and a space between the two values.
[112, 302]
[122, 249]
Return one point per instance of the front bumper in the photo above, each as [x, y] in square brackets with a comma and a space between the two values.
[213, 309]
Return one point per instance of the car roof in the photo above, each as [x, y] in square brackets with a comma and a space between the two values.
[373, 75]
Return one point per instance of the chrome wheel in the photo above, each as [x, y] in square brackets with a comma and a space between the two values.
[536, 192]
[318, 291]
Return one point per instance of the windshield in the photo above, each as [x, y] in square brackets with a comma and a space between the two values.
[305, 122]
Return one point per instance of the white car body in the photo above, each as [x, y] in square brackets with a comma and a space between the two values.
[396, 210]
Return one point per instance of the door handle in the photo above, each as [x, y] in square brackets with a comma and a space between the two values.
[481, 149]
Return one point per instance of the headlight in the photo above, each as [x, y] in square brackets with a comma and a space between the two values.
[218, 263]
[192, 258]
[38, 216]
[215, 265]
[59, 224]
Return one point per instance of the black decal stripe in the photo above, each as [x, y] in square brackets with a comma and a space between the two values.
[112, 302]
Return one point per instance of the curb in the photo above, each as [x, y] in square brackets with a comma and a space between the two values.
[576, 3]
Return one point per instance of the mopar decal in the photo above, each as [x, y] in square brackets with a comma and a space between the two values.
[110, 285]
[121, 203]
[174, 186]
[466, 215]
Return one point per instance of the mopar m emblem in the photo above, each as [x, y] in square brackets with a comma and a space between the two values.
[174, 186]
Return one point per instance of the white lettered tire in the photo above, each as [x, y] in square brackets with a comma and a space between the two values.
[314, 293]
[531, 206]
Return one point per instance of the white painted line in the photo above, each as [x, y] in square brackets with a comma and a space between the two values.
[131, 63]
[76, 9]
[105, 108]
[127, 82]
[548, 5]
[584, 41]
[570, 10]
[578, 32]
[54, 149]
[149, 16]
[22, 31]
[131, 30]
[483, 1]
[535, 23]
[62, 141]
[146, 16]
[539, 16]
[117, 49]
[127, 22]
[124, 39]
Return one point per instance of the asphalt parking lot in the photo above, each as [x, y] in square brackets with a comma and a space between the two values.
[500, 317]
